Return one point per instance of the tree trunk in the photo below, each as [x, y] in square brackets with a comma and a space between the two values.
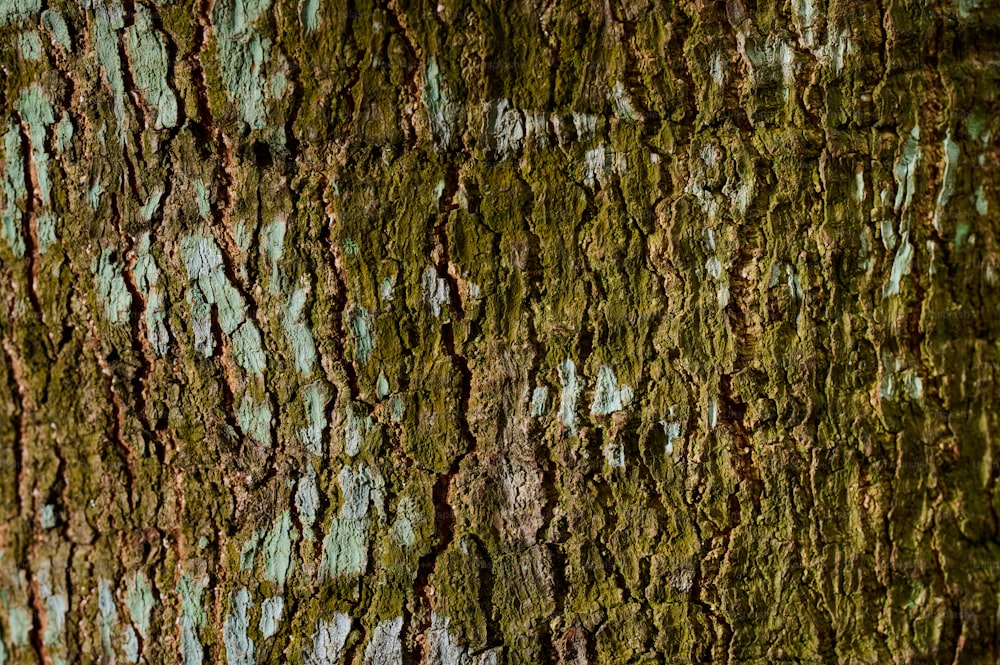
[567, 333]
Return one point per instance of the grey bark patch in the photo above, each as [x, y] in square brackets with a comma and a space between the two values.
[385, 647]
[328, 640]
[270, 616]
[239, 646]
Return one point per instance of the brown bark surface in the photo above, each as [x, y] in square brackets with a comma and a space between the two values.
[465, 333]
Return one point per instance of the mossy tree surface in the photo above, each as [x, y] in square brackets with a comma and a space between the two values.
[473, 333]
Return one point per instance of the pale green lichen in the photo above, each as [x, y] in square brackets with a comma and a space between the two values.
[901, 266]
[46, 232]
[278, 549]
[94, 195]
[279, 83]
[36, 112]
[608, 397]
[408, 515]
[622, 102]
[30, 45]
[672, 432]
[109, 615]
[130, 645]
[345, 548]
[56, 24]
[961, 232]
[385, 288]
[906, 169]
[243, 54]
[14, 189]
[397, 407]
[201, 198]
[149, 64]
[299, 336]
[362, 333]
[19, 624]
[147, 276]
[539, 401]
[951, 151]
[140, 601]
[570, 394]
[307, 501]
[982, 205]
[435, 290]
[108, 20]
[328, 640]
[270, 615]
[273, 239]
[505, 128]
[354, 432]
[56, 607]
[210, 286]
[239, 646]
[47, 519]
[314, 397]
[248, 552]
[309, 11]
[441, 111]
[16, 10]
[111, 288]
[614, 454]
[255, 420]
[192, 618]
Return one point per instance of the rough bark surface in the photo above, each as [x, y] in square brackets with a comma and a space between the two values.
[462, 333]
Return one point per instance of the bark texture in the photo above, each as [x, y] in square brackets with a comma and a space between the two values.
[579, 332]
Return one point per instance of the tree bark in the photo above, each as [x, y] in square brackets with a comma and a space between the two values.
[595, 332]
